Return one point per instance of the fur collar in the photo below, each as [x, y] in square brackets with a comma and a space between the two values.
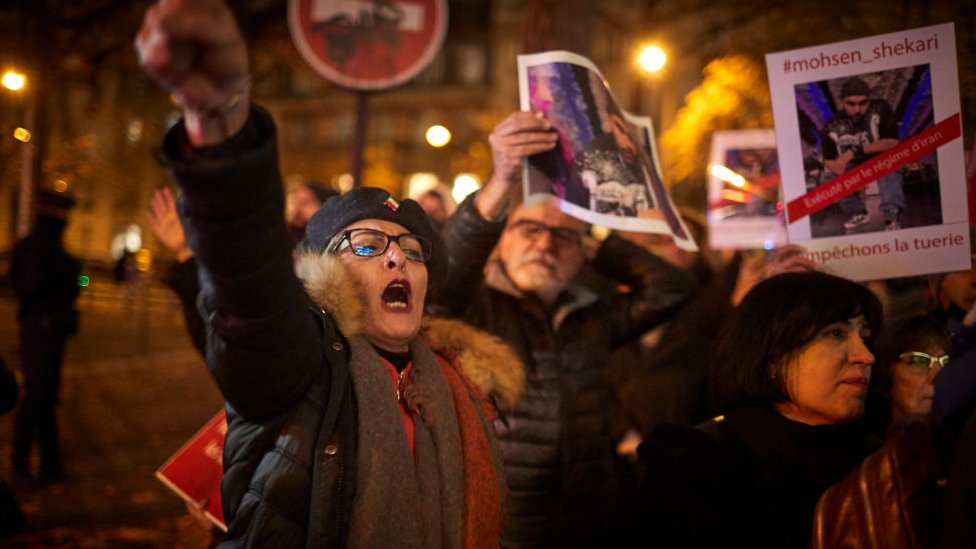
[485, 359]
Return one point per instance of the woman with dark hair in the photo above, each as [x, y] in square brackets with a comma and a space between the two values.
[911, 352]
[790, 374]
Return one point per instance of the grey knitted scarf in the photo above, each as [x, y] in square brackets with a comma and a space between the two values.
[405, 500]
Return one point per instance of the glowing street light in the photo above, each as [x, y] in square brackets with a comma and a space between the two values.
[22, 134]
[652, 58]
[723, 173]
[13, 81]
[438, 136]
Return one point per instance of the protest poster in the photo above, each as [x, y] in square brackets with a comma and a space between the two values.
[871, 154]
[604, 169]
[744, 206]
[195, 471]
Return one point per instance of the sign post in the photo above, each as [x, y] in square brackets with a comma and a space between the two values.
[367, 46]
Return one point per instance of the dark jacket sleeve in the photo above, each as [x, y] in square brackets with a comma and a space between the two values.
[264, 347]
[955, 386]
[657, 288]
[470, 240]
[182, 279]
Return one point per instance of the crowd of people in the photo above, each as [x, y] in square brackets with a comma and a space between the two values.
[496, 375]
[503, 378]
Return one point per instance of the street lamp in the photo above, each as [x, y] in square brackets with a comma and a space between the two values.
[13, 81]
[438, 136]
[16, 82]
[652, 58]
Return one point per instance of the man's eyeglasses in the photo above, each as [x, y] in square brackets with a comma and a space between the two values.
[532, 230]
[371, 243]
[918, 359]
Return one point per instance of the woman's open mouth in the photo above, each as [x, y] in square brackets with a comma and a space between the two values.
[396, 295]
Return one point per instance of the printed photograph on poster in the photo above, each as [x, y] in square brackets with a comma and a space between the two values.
[604, 169]
[856, 118]
[744, 207]
[868, 136]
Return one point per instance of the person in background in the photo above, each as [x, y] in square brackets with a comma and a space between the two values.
[45, 280]
[302, 203]
[953, 298]
[181, 276]
[661, 376]
[911, 352]
[349, 423]
[790, 375]
[556, 438]
[437, 201]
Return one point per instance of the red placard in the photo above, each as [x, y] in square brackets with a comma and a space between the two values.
[368, 45]
[194, 472]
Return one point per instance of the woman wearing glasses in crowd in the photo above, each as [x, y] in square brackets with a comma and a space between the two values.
[790, 374]
[911, 352]
[349, 422]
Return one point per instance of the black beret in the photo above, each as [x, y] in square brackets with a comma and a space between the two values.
[338, 212]
[854, 87]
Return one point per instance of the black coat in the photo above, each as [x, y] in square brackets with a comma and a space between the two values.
[280, 363]
[751, 479]
[45, 277]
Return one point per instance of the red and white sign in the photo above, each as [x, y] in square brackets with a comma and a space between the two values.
[194, 472]
[368, 44]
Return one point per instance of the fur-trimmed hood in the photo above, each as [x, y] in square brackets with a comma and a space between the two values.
[485, 359]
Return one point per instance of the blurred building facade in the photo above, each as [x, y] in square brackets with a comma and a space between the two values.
[99, 120]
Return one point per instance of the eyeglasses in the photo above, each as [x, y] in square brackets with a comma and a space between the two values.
[372, 243]
[918, 359]
[532, 230]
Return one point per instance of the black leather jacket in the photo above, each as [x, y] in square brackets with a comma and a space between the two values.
[281, 364]
[555, 441]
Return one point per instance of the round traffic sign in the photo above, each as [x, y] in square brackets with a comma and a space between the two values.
[368, 44]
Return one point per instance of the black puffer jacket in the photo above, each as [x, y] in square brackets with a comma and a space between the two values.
[555, 440]
[283, 373]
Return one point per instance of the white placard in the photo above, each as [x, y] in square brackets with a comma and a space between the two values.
[834, 107]
[744, 205]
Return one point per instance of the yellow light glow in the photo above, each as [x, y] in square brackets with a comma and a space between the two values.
[735, 196]
[464, 184]
[345, 182]
[60, 186]
[438, 136]
[723, 173]
[21, 134]
[143, 260]
[652, 58]
[13, 81]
